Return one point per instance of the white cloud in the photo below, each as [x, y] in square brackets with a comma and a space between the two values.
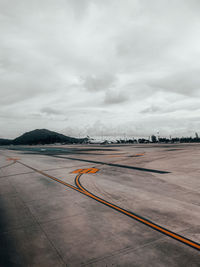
[127, 65]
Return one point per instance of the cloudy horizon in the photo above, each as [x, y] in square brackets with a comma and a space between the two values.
[100, 68]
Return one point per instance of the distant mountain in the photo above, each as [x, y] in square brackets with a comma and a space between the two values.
[5, 142]
[42, 136]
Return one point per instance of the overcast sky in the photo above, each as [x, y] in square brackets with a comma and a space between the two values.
[100, 67]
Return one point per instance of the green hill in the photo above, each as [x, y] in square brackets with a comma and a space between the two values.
[41, 136]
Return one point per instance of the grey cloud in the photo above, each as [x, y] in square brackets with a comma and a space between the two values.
[173, 107]
[186, 82]
[100, 82]
[115, 97]
[135, 59]
[50, 111]
[80, 7]
[152, 109]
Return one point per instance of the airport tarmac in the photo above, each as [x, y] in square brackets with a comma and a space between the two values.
[100, 205]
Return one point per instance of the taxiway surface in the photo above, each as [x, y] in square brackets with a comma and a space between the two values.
[47, 219]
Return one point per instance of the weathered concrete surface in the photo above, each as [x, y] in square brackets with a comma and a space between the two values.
[44, 223]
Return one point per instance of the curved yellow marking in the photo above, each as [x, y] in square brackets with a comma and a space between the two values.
[84, 191]
[144, 221]
[88, 170]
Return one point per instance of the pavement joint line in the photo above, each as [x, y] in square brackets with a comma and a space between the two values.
[7, 165]
[134, 216]
[39, 225]
[1, 177]
[113, 164]
[22, 173]
[123, 251]
[10, 230]
[59, 219]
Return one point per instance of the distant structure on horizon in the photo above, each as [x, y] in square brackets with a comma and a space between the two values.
[44, 136]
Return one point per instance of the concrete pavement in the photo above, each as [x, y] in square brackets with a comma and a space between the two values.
[44, 223]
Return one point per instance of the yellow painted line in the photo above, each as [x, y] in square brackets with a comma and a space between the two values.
[88, 170]
[79, 185]
[77, 171]
[12, 159]
[94, 170]
[84, 191]
[138, 218]
[51, 177]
